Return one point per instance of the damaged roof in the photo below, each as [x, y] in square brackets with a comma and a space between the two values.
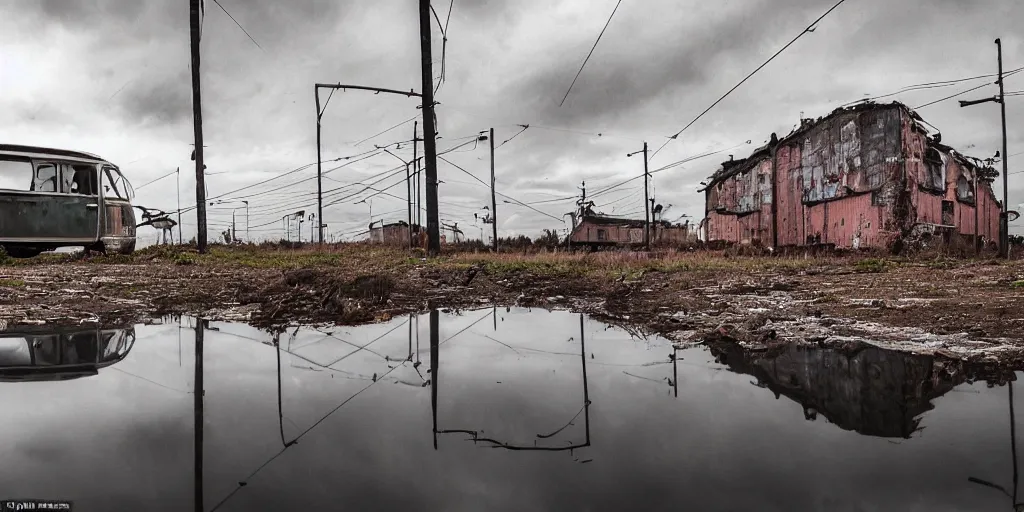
[733, 167]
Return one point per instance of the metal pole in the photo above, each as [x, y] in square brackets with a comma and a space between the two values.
[647, 204]
[197, 121]
[247, 221]
[234, 233]
[408, 195]
[417, 203]
[197, 393]
[429, 142]
[494, 204]
[178, 181]
[320, 169]
[1005, 218]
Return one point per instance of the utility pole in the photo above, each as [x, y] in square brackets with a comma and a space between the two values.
[1006, 202]
[647, 200]
[1004, 215]
[416, 172]
[197, 120]
[408, 198]
[494, 204]
[312, 218]
[429, 137]
[177, 179]
[319, 160]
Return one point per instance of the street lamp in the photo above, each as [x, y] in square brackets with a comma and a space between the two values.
[234, 233]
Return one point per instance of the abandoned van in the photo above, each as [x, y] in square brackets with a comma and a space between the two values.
[51, 198]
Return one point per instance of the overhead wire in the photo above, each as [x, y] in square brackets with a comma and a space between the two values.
[239, 25]
[806, 30]
[612, 15]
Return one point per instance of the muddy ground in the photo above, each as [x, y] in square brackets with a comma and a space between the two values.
[964, 310]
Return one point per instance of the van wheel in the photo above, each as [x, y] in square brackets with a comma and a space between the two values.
[22, 252]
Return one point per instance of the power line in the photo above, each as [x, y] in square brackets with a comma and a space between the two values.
[510, 198]
[933, 85]
[378, 134]
[156, 180]
[972, 89]
[591, 52]
[239, 25]
[752, 73]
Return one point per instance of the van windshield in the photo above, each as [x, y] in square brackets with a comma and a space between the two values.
[117, 185]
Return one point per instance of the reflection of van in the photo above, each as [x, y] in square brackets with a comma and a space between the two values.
[60, 354]
[52, 198]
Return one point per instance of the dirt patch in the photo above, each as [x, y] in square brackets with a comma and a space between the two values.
[966, 310]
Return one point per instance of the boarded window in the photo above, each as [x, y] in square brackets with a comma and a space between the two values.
[45, 178]
[602, 235]
[15, 174]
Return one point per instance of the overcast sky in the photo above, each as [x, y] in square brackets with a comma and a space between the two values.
[112, 77]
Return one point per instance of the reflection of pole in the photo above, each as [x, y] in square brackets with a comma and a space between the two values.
[197, 393]
[1013, 442]
[280, 405]
[675, 372]
[410, 336]
[434, 349]
[586, 395]
[494, 314]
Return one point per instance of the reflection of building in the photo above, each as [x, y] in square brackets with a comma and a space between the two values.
[61, 354]
[870, 391]
[863, 176]
[600, 230]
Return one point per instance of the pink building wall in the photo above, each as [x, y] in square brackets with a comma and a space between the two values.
[860, 177]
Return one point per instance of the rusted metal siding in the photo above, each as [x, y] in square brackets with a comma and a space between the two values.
[861, 177]
[849, 154]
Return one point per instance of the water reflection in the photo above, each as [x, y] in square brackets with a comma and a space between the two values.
[48, 353]
[475, 435]
[342, 414]
[867, 390]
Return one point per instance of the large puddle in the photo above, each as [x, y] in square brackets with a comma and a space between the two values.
[488, 410]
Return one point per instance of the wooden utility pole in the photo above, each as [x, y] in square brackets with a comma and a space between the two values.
[494, 203]
[408, 199]
[416, 176]
[1004, 215]
[1005, 218]
[977, 206]
[647, 204]
[319, 160]
[429, 137]
[197, 121]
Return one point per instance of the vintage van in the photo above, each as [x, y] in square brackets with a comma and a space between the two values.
[51, 198]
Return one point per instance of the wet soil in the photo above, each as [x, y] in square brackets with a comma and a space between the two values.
[965, 310]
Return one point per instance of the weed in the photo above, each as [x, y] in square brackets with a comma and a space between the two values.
[12, 283]
[5, 259]
[870, 265]
[1017, 284]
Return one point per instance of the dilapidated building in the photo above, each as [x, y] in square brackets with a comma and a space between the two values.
[864, 176]
[601, 230]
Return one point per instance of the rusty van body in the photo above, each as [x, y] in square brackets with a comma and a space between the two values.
[51, 198]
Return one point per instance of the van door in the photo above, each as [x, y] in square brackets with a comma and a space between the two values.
[80, 213]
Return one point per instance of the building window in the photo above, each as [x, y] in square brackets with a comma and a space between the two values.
[947, 213]
[602, 235]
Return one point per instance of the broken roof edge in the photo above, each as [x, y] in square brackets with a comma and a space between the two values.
[739, 166]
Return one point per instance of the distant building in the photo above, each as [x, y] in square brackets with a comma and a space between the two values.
[600, 230]
[863, 176]
[395, 233]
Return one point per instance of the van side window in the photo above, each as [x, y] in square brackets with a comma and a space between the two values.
[45, 178]
[15, 174]
[80, 179]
